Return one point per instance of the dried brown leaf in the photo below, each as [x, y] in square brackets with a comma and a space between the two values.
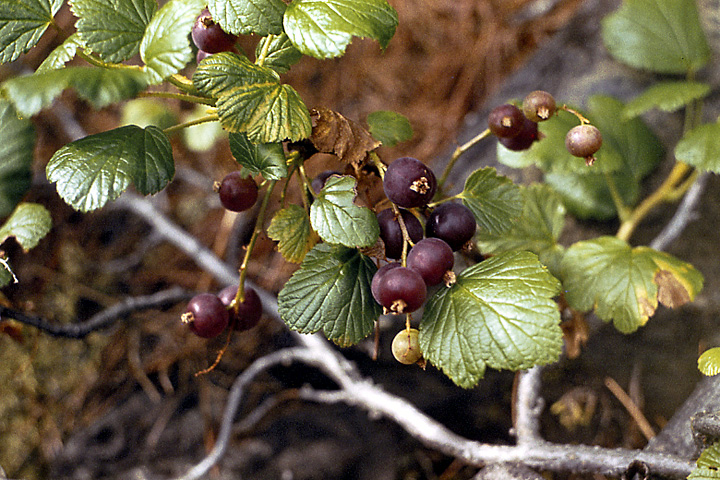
[333, 133]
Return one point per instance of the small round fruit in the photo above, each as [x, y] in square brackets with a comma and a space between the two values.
[409, 183]
[529, 134]
[452, 222]
[209, 36]
[583, 141]
[245, 314]
[431, 258]
[318, 182]
[206, 315]
[406, 346]
[237, 193]
[377, 278]
[400, 290]
[201, 55]
[391, 233]
[505, 121]
[539, 106]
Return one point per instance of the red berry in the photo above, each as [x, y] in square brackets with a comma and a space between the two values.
[409, 183]
[246, 314]
[237, 194]
[431, 258]
[522, 141]
[209, 36]
[206, 315]
[391, 233]
[505, 121]
[401, 290]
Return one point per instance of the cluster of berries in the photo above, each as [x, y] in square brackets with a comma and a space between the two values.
[517, 128]
[209, 37]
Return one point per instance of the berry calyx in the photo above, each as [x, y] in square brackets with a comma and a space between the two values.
[206, 315]
[400, 290]
[391, 232]
[406, 346]
[432, 258]
[237, 193]
[528, 134]
[539, 106]
[409, 183]
[245, 314]
[584, 141]
[505, 121]
[209, 36]
[452, 222]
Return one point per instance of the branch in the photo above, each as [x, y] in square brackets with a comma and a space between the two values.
[528, 407]
[683, 215]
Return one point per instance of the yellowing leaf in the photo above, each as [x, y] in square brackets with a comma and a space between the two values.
[290, 227]
[709, 362]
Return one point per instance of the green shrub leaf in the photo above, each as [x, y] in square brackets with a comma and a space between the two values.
[499, 314]
[165, 46]
[625, 284]
[331, 292]
[666, 96]
[290, 227]
[29, 223]
[99, 86]
[17, 142]
[494, 200]
[700, 147]
[219, 74]
[709, 362]
[266, 159]
[243, 17]
[22, 23]
[663, 36]
[61, 55]
[96, 169]
[708, 465]
[281, 53]
[537, 230]
[324, 29]
[337, 219]
[389, 127]
[113, 28]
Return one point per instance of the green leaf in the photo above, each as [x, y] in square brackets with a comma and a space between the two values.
[708, 465]
[96, 169]
[499, 314]
[201, 137]
[17, 142]
[165, 46]
[625, 284]
[324, 28]
[22, 23]
[113, 28]
[290, 227]
[148, 111]
[663, 36]
[666, 96]
[99, 86]
[337, 219]
[29, 223]
[266, 159]
[537, 230]
[281, 53]
[700, 147]
[61, 55]
[389, 127]
[709, 362]
[331, 292]
[219, 74]
[6, 274]
[243, 17]
[588, 196]
[494, 200]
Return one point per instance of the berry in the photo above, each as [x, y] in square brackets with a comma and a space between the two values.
[583, 141]
[409, 183]
[391, 233]
[400, 290]
[377, 278]
[245, 314]
[406, 346]
[431, 258]
[201, 55]
[237, 194]
[206, 315]
[209, 36]
[522, 141]
[452, 222]
[505, 121]
[539, 105]
[318, 182]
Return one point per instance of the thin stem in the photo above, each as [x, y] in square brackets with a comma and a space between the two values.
[622, 209]
[208, 118]
[182, 83]
[458, 153]
[180, 96]
[378, 163]
[260, 61]
[306, 185]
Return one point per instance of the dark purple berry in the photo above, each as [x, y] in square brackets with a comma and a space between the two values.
[245, 314]
[452, 222]
[318, 182]
[201, 55]
[409, 183]
[237, 193]
[391, 233]
[522, 141]
[583, 141]
[505, 121]
[377, 278]
[206, 315]
[539, 105]
[431, 258]
[401, 290]
[209, 36]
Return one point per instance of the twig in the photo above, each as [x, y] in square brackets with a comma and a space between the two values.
[528, 407]
[684, 214]
[630, 406]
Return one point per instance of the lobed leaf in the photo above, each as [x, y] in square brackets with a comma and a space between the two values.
[700, 147]
[281, 54]
[113, 28]
[708, 465]
[22, 23]
[331, 292]
[17, 142]
[28, 224]
[267, 159]
[218, 74]
[624, 284]
[337, 219]
[499, 314]
[709, 362]
[61, 55]
[663, 36]
[494, 200]
[290, 227]
[243, 17]
[324, 28]
[666, 96]
[389, 127]
[96, 169]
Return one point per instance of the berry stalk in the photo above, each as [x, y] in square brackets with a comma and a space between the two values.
[458, 153]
